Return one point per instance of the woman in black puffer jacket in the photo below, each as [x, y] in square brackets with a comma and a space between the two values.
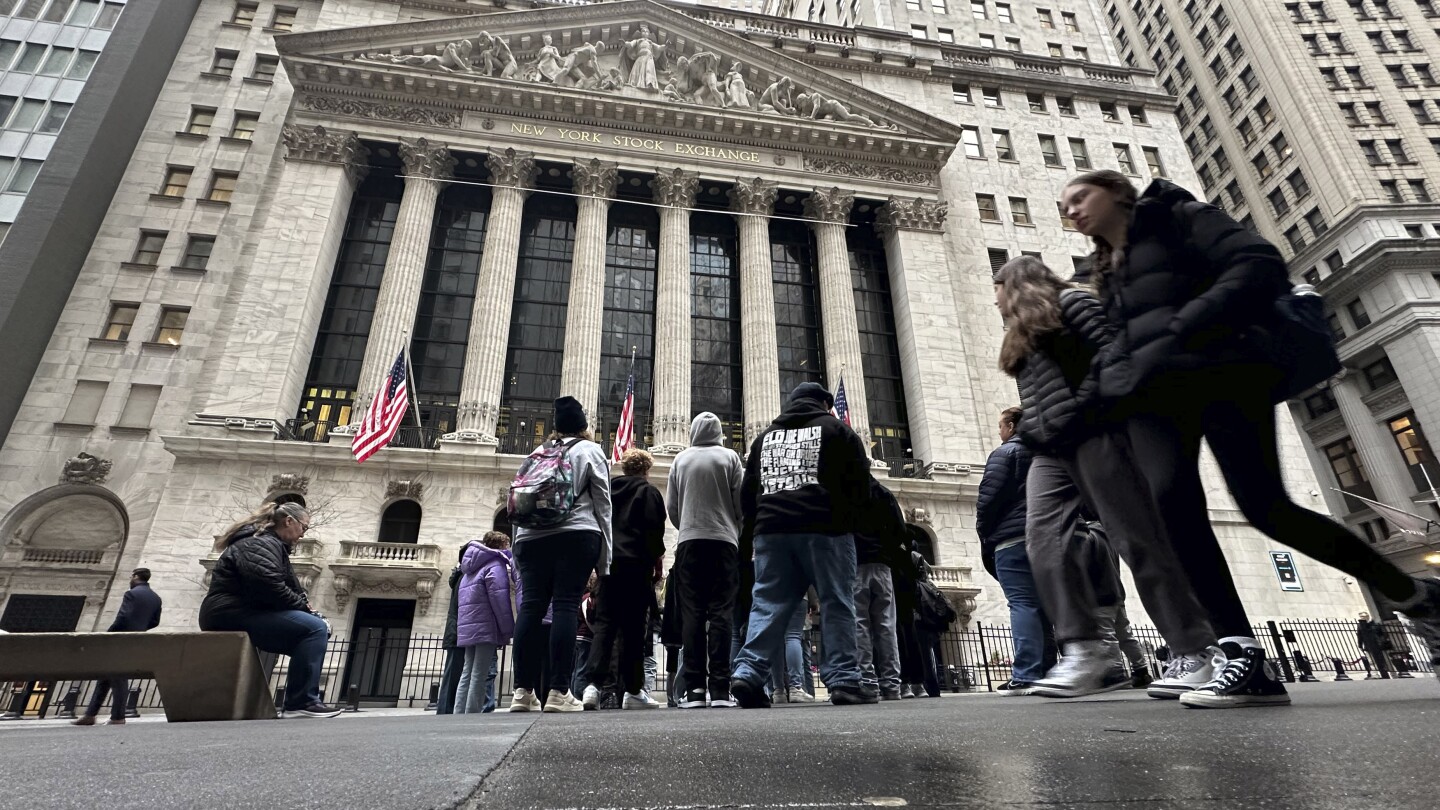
[253, 588]
[1189, 290]
[1056, 332]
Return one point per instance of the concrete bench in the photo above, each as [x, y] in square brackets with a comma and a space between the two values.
[201, 676]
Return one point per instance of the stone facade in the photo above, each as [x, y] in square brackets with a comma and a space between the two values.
[885, 133]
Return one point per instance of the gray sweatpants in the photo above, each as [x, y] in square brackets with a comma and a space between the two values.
[1102, 473]
[875, 633]
[1115, 627]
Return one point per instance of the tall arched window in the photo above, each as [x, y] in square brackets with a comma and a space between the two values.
[400, 523]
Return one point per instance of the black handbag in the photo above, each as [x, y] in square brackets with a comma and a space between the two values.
[1299, 343]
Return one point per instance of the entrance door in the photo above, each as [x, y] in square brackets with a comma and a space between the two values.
[379, 644]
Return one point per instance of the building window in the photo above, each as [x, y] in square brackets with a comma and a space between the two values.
[1065, 221]
[1124, 158]
[284, 19]
[1320, 403]
[1079, 155]
[879, 345]
[109, 13]
[1137, 115]
[1081, 53]
[715, 372]
[1002, 13]
[197, 252]
[1262, 165]
[1317, 223]
[1415, 231]
[970, 139]
[945, 34]
[1420, 112]
[122, 317]
[84, 402]
[244, 127]
[1065, 104]
[1419, 190]
[997, 257]
[1298, 184]
[201, 119]
[24, 176]
[1020, 211]
[1295, 239]
[224, 63]
[988, 211]
[987, 40]
[1055, 49]
[1358, 315]
[1391, 191]
[797, 311]
[1071, 25]
[1379, 374]
[991, 97]
[1036, 102]
[977, 10]
[628, 322]
[1334, 263]
[1047, 18]
[1012, 44]
[1416, 451]
[960, 93]
[1278, 203]
[222, 186]
[1108, 112]
[147, 250]
[400, 523]
[265, 67]
[1152, 160]
[1376, 111]
[177, 179]
[172, 325]
[244, 14]
[913, 5]
[1003, 149]
[84, 62]
[1349, 472]
[918, 31]
[1050, 150]
[938, 6]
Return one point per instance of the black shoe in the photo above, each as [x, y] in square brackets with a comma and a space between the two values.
[1013, 688]
[1141, 679]
[853, 696]
[1246, 680]
[748, 695]
[609, 700]
[315, 710]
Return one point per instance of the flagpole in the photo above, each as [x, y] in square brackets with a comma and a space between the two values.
[410, 392]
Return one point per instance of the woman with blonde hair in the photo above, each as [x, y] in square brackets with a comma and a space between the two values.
[254, 589]
[1056, 338]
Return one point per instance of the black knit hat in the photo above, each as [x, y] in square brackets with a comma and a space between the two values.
[569, 416]
[815, 391]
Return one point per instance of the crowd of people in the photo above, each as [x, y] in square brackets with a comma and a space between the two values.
[1169, 337]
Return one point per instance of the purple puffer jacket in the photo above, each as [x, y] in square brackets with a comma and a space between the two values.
[485, 614]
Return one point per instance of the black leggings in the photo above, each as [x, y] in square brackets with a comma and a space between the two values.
[1241, 433]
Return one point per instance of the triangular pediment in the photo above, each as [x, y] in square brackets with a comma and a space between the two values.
[633, 63]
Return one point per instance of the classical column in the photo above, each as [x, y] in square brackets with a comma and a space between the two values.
[1373, 443]
[512, 173]
[263, 351]
[753, 199]
[675, 190]
[933, 358]
[829, 210]
[585, 314]
[428, 167]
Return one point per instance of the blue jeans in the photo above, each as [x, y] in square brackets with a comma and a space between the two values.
[785, 566]
[553, 568]
[300, 635]
[470, 696]
[1029, 625]
[793, 656]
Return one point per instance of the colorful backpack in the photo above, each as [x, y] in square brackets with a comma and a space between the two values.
[543, 492]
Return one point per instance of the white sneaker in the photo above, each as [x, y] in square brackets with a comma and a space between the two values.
[591, 700]
[558, 701]
[1186, 673]
[1086, 668]
[524, 700]
[639, 700]
[798, 695]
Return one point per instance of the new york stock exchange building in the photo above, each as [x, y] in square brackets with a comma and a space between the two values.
[525, 197]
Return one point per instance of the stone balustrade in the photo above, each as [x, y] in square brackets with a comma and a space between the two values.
[356, 551]
[63, 556]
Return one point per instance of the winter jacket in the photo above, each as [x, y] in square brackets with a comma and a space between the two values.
[880, 536]
[1191, 284]
[486, 615]
[1058, 381]
[1000, 506]
[638, 519]
[253, 575]
[807, 473]
[139, 611]
[703, 490]
[452, 614]
[591, 468]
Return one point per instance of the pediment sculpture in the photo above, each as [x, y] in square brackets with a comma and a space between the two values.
[643, 66]
[85, 469]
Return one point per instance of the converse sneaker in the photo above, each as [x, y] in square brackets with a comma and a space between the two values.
[640, 700]
[558, 701]
[524, 700]
[591, 699]
[725, 702]
[1141, 677]
[798, 695]
[694, 699]
[314, 710]
[1013, 688]
[906, 693]
[1247, 679]
[1085, 668]
[1424, 610]
[1186, 673]
[749, 695]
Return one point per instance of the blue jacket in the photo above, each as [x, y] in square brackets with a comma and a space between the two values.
[139, 611]
[1000, 507]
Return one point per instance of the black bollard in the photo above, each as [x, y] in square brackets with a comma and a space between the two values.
[1340, 670]
[67, 703]
[434, 697]
[1302, 664]
[354, 702]
[132, 702]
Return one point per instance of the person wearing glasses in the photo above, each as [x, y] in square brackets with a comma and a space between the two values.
[253, 588]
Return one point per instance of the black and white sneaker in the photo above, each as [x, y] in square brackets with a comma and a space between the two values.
[1424, 611]
[314, 710]
[694, 699]
[1247, 679]
[749, 695]
[1186, 673]
[1014, 688]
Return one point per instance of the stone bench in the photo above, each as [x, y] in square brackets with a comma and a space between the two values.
[201, 676]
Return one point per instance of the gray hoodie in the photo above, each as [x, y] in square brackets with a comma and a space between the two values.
[703, 493]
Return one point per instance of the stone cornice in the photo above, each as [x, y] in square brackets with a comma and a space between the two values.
[1378, 259]
[595, 177]
[829, 205]
[916, 214]
[318, 145]
[675, 187]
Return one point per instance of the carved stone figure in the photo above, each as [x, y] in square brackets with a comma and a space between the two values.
[611, 81]
[696, 80]
[641, 59]
[816, 107]
[582, 67]
[288, 482]
[736, 94]
[549, 64]
[85, 469]
[494, 57]
[453, 58]
[778, 97]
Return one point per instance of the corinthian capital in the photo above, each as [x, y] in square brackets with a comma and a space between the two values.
[423, 158]
[829, 205]
[319, 145]
[511, 168]
[595, 177]
[675, 187]
[753, 196]
[918, 214]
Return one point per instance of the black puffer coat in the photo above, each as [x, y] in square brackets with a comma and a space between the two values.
[1192, 281]
[253, 575]
[1059, 380]
[1000, 503]
[880, 535]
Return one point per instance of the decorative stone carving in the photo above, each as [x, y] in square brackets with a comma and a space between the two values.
[453, 58]
[411, 490]
[829, 205]
[511, 168]
[425, 159]
[696, 79]
[493, 56]
[779, 97]
[288, 482]
[918, 214]
[736, 93]
[595, 178]
[675, 187]
[85, 469]
[548, 63]
[318, 145]
[642, 59]
[869, 171]
[581, 67]
[816, 107]
[917, 515]
[404, 113]
[753, 196]
[341, 586]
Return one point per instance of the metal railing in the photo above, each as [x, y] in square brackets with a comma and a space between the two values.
[366, 552]
[309, 430]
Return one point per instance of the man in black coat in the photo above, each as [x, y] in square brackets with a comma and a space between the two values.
[881, 543]
[1370, 635]
[139, 611]
[1000, 522]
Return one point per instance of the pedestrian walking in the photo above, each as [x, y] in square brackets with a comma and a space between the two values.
[625, 594]
[139, 611]
[253, 588]
[1374, 642]
[1000, 522]
[1192, 294]
[1104, 566]
[486, 621]
[560, 508]
[880, 541]
[703, 501]
[454, 656]
[806, 483]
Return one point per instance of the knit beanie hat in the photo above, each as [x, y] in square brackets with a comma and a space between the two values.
[569, 416]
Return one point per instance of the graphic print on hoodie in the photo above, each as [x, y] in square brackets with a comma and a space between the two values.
[790, 459]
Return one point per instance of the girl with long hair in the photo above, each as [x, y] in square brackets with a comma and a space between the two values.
[1187, 288]
[1055, 342]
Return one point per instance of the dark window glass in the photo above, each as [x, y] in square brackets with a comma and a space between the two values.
[715, 369]
[1415, 451]
[797, 305]
[400, 523]
[1349, 472]
[631, 253]
[879, 346]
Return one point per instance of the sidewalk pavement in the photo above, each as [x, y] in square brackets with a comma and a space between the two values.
[1355, 745]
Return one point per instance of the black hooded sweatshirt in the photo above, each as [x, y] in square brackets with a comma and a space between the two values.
[807, 473]
[880, 537]
[638, 519]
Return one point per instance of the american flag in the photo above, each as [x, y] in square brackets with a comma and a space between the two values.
[386, 412]
[625, 432]
[842, 408]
